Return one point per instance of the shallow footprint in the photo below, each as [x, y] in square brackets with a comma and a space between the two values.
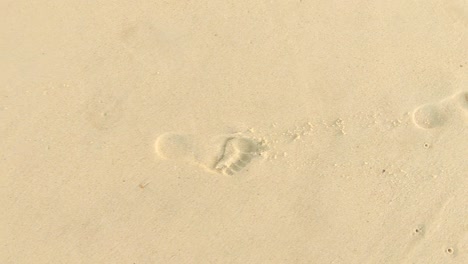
[461, 99]
[225, 154]
[238, 152]
[175, 146]
[430, 116]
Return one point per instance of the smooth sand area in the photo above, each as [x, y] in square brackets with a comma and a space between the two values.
[235, 131]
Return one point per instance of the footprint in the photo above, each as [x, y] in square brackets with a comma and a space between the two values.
[430, 116]
[175, 147]
[237, 153]
[437, 114]
[461, 100]
[227, 154]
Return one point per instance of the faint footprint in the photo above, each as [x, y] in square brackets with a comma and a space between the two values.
[222, 154]
[461, 99]
[437, 114]
[430, 116]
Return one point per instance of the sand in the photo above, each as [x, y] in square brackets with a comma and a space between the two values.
[310, 131]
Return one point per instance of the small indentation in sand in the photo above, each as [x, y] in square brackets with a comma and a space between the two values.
[450, 251]
[418, 231]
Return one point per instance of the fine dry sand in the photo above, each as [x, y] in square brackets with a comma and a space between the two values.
[284, 131]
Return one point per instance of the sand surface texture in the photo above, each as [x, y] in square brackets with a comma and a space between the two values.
[284, 131]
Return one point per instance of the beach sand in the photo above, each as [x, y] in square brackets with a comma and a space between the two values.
[310, 131]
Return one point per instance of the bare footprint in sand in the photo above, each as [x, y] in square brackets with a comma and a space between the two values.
[434, 115]
[461, 99]
[430, 116]
[227, 154]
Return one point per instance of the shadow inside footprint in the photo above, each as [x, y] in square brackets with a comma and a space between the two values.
[222, 154]
[175, 147]
[462, 100]
[237, 153]
[429, 116]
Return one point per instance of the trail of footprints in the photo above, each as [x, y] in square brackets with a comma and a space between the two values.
[232, 153]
